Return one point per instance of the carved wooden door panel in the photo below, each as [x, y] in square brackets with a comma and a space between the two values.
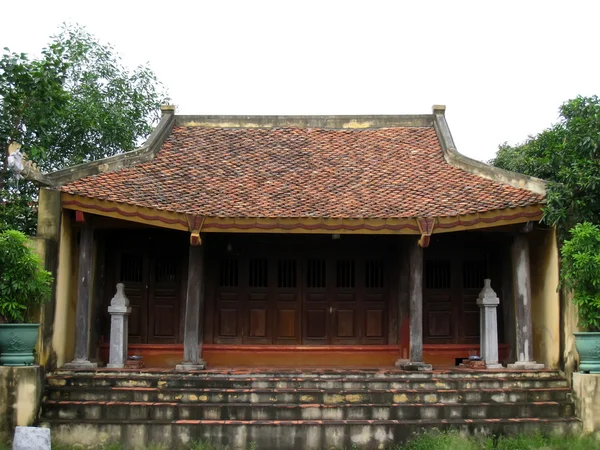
[292, 294]
[152, 279]
[316, 317]
[451, 286]
[163, 298]
[228, 305]
[132, 269]
[286, 301]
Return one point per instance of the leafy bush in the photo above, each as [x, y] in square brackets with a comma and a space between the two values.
[23, 282]
[580, 272]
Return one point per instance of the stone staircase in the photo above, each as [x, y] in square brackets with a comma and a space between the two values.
[299, 409]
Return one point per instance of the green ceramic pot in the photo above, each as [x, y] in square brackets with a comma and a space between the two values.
[16, 343]
[588, 347]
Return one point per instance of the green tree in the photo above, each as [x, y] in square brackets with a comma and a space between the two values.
[567, 155]
[77, 102]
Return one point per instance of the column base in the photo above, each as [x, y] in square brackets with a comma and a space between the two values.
[80, 364]
[115, 366]
[494, 366]
[187, 366]
[526, 365]
[413, 365]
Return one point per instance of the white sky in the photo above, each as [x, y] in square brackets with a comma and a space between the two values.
[502, 67]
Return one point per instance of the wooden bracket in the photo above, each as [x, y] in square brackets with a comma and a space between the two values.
[526, 227]
[426, 225]
[195, 223]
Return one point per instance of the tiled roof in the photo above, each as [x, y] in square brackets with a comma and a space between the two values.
[303, 172]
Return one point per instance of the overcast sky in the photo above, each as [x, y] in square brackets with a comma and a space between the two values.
[502, 68]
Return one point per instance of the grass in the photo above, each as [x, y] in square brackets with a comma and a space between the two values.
[435, 440]
[452, 440]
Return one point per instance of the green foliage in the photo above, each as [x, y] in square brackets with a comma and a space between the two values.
[23, 282]
[580, 272]
[77, 102]
[437, 440]
[567, 155]
[452, 440]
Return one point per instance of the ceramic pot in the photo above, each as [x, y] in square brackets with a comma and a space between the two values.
[17, 341]
[588, 347]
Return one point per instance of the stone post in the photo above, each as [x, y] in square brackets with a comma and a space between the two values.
[119, 309]
[84, 298]
[522, 291]
[488, 325]
[415, 288]
[194, 306]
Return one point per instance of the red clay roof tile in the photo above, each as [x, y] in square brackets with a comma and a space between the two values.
[303, 172]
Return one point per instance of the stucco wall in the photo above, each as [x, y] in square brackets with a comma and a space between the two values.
[20, 395]
[66, 294]
[545, 296]
[586, 396]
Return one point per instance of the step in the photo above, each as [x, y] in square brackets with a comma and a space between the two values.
[54, 409]
[302, 395]
[311, 382]
[287, 435]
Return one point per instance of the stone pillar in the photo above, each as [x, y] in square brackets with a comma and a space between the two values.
[84, 298]
[119, 309]
[194, 305]
[415, 289]
[488, 325]
[522, 295]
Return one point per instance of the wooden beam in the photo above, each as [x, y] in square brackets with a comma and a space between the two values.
[194, 307]
[522, 290]
[84, 298]
[415, 289]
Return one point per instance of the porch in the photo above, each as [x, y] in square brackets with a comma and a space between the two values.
[308, 300]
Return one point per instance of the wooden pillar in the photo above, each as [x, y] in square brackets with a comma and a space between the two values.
[194, 306]
[415, 289]
[84, 297]
[522, 295]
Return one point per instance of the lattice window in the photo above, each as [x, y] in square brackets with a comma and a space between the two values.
[166, 270]
[229, 273]
[345, 274]
[474, 272]
[132, 267]
[286, 273]
[374, 274]
[257, 274]
[437, 275]
[315, 273]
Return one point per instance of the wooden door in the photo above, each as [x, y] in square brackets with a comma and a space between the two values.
[152, 278]
[451, 285]
[131, 270]
[296, 294]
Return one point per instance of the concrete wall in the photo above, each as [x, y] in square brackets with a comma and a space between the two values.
[63, 339]
[545, 296]
[586, 395]
[21, 391]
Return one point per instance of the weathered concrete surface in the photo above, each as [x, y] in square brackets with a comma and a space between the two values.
[586, 395]
[488, 302]
[476, 167]
[46, 245]
[332, 122]
[523, 300]
[65, 293]
[145, 153]
[119, 311]
[545, 298]
[31, 438]
[21, 390]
